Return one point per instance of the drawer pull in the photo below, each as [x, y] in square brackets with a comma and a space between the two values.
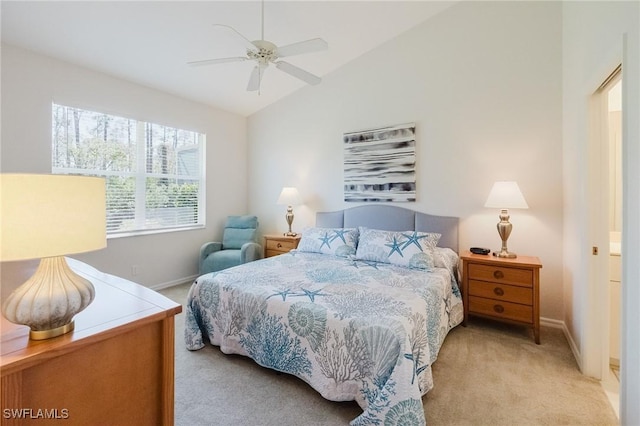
[498, 291]
[279, 245]
[498, 308]
[498, 275]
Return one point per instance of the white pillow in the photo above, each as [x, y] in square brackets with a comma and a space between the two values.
[335, 241]
[444, 257]
[411, 249]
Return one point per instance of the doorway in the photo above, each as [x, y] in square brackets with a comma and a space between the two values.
[609, 98]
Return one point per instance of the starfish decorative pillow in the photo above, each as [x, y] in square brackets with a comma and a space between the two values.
[411, 249]
[336, 241]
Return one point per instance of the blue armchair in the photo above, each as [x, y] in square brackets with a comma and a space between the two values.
[238, 245]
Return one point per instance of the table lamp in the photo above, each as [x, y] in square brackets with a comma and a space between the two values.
[289, 197]
[47, 217]
[504, 196]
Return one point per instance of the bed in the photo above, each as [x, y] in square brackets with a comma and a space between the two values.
[359, 311]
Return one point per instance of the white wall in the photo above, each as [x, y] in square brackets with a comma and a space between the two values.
[593, 35]
[31, 82]
[482, 82]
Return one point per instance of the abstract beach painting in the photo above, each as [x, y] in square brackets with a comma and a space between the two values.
[380, 164]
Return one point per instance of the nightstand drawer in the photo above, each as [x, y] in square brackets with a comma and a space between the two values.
[500, 309]
[280, 245]
[501, 274]
[508, 293]
[275, 245]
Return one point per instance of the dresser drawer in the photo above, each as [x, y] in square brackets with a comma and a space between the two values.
[282, 246]
[501, 274]
[501, 309]
[508, 293]
[269, 253]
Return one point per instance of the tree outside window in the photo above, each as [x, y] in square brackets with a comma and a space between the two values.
[154, 173]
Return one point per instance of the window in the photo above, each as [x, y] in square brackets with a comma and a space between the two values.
[154, 174]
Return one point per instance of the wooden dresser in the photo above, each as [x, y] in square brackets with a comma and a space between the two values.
[279, 244]
[504, 289]
[116, 367]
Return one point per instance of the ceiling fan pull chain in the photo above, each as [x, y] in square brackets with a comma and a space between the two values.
[262, 34]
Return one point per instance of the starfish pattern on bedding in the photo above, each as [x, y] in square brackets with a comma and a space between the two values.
[283, 293]
[325, 240]
[413, 239]
[312, 293]
[395, 246]
[340, 234]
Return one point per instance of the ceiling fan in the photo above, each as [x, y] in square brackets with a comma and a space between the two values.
[264, 53]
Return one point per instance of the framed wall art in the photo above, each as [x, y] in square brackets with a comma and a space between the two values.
[380, 164]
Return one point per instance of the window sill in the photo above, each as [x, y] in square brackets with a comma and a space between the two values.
[153, 232]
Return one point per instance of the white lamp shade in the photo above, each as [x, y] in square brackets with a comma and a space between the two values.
[506, 195]
[50, 215]
[289, 196]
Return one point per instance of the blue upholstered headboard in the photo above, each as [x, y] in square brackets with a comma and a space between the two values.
[392, 218]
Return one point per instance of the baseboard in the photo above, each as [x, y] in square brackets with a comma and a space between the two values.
[174, 283]
[609, 384]
[548, 322]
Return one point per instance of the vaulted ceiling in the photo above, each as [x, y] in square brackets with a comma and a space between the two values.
[150, 42]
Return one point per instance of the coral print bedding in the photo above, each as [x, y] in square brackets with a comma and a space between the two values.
[353, 329]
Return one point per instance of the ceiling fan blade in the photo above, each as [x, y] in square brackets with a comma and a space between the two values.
[313, 45]
[298, 72]
[256, 78]
[217, 61]
[236, 35]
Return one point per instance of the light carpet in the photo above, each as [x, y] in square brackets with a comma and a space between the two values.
[486, 374]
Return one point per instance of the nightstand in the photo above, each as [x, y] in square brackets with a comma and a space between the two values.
[507, 290]
[279, 244]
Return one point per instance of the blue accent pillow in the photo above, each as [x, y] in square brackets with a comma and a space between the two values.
[411, 249]
[246, 221]
[234, 238]
[335, 241]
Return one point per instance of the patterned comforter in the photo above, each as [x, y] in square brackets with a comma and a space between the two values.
[353, 330]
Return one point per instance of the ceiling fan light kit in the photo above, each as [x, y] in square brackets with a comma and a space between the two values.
[264, 53]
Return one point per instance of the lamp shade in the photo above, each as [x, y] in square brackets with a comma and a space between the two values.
[50, 215]
[289, 196]
[506, 195]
